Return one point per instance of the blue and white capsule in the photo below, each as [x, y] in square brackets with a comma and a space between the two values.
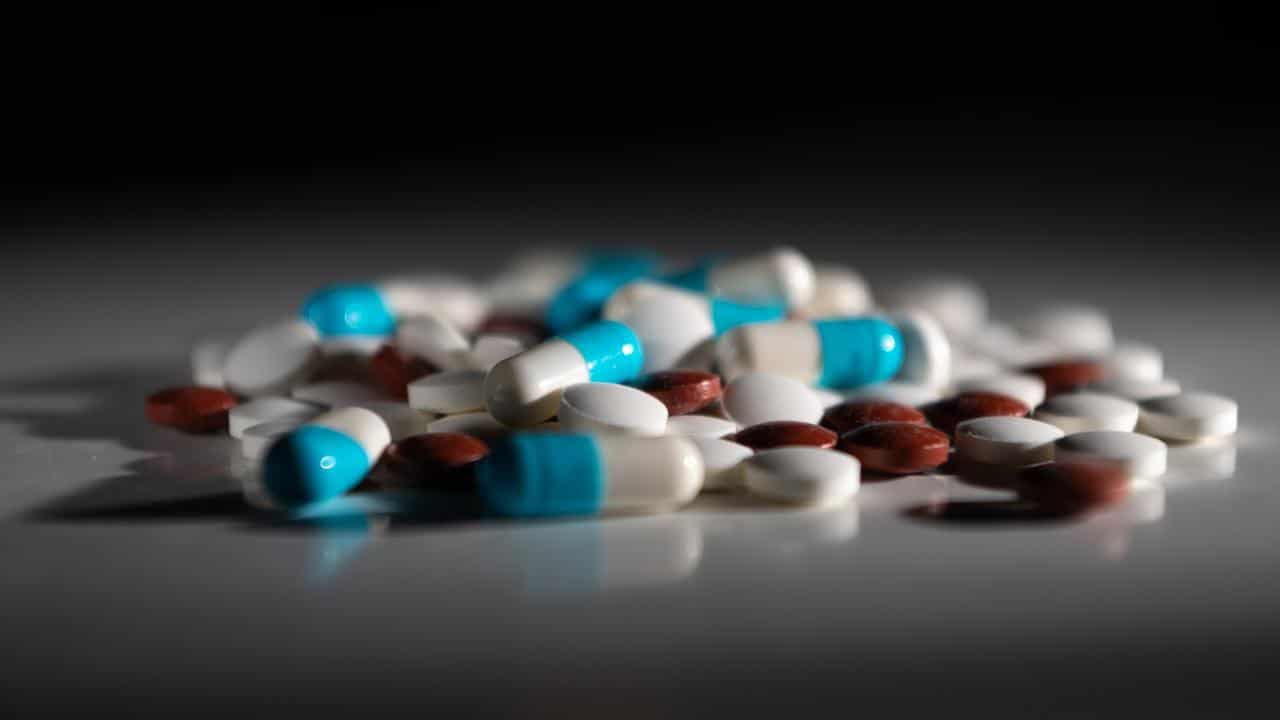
[578, 303]
[324, 457]
[672, 322]
[833, 353]
[549, 474]
[372, 309]
[782, 275]
[524, 390]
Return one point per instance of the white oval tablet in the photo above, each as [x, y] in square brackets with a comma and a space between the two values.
[1138, 455]
[1134, 361]
[255, 440]
[1006, 440]
[708, 426]
[449, 392]
[1137, 390]
[926, 352]
[480, 423]
[722, 461]
[402, 420]
[266, 409]
[1084, 411]
[489, 350]
[435, 340]
[959, 305]
[338, 393]
[607, 407]
[271, 359]
[1022, 386]
[1189, 416]
[902, 393]
[1073, 328]
[802, 475]
[758, 397]
[207, 359]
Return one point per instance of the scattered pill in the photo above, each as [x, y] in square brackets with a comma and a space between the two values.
[682, 391]
[352, 309]
[1071, 487]
[272, 359]
[1030, 389]
[1083, 411]
[1137, 390]
[947, 414]
[1189, 416]
[441, 461]
[480, 424]
[394, 369]
[190, 409]
[784, 433]
[435, 340]
[722, 462]
[834, 353]
[1133, 361]
[837, 292]
[324, 457]
[337, 393]
[897, 448]
[449, 297]
[1013, 441]
[829, 398]
[958, 304]
[967, 365]
[207, 359]
[1137, 455]
[853, 414]
[700, 426]
[608, 407]
[895, 392]
[1073, 328]
[525, 390]
[256, 439]
[802, 475]
[926, 352]
[449, 392]
[266, 409]
[779, 275]
[543, 474]
[402, 421]
[489, 350]
[760, 397]
[1067, 375]
[579, 302]
[525, 285]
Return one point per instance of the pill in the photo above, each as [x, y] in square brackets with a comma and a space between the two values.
[489, 350]
[449, 392]
[837, 292]
[435, 340]
[394, 369]
[190, 409]
[1071, 487]
[438, 461]
[947, 414]
[700, 426]
[1073, 328]
[1137, 390]
[257, 439]
[1137, 455]
[829, 398]
[722, 462]
[1066, 375]
[784, 433]
[480, 424]
[1083, 411]
[853, 414]
[525, 390]
[834, 353]
[543, 474]
[528, 330]
[579, 302]
[354, 346]
[266, 409]
[895, 392]
[780, 275]
[272, 359]
[349, 309]
[324, 457]
[1030, 389]
[402, 421]
[682, 391]
[957, 304]
[802, 475]
[761, 397]
[673, 322]
[337, 393]
[596, 407]
[967, 365]
[1133, 361]
[926, 352]
[454, 299]
[1013, 441]
[897, 448]
[207, 359]
[1189, 416]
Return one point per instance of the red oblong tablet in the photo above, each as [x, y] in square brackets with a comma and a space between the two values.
[946, 414]
[1067, 375]
[191, 409]
[783, 433]
[897, 448]
[682, 391]
[1073, 486]
[394, 370]
[854, 414]
[442, 461]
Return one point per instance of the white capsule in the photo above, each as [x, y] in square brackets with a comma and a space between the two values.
[435, 340]
[272, 359]
[1189, 416]
[448, 393]
[207, 359]
[1137, 390]
[608, 407]
[791, 349]
[1134, 361]
[1073, 328]
[1138, 455]
[780, 274]
[480, 424]
[402, 421]
[1084, 411]
[803, 475]
[525, 390]
[1021, 386]
[650, 474]
[837, 292]
[722, 460]
[489, 350]
[1012, 441]
[696, 425]
[266, 409]
[958, 305]
[902, 393]
[337, 393]
[759, 397]
[926, 352]
[453, 299]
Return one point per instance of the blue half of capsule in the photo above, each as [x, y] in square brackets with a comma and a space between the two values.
[349, 310]
[311, 464]
[538, 475]
[611, 350]
[858, 351]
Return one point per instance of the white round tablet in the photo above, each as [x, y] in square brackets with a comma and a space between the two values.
[1084, 411]
[1134, 361]
[700, 426]
[1006, 440]
[722, 461]
[449, 392]
[1139, 455]
[402, 420]
[271, 359]
[802, 475]
[759, 397]
[1073, 328]
[959, 305]
[926, 352]
[338, 393]
[1189, 416]
[480, 423]
[263, 410]
[1137, 390]
[902, 393]
[1022, 386]
[597, 407]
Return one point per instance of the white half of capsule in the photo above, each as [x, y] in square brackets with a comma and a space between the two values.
[363, 426]
[790, 349]
[273, 358]
[649, 474]
[837, 292]
[670, 322]
[783, 273]
[525, 390]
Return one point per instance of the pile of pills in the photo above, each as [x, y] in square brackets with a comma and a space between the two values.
[580, 385]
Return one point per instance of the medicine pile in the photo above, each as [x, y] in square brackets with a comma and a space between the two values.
[617, 384]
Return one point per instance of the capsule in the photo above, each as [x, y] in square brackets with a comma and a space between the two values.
[525, 389]
[372, 309]
[538, 475]
[671, 322]
[834, 353]
[579, 302]
[324, 457]
[782, 275]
